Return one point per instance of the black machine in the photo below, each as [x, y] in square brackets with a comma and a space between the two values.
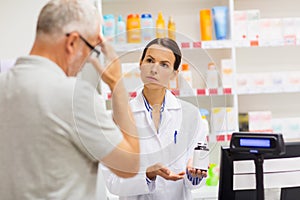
[257, 147]
[257, 143]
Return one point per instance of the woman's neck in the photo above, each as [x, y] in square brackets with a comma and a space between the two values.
[154, 96]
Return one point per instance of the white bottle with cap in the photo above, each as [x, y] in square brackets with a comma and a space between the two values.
[147, 27]
[185, 81]
[120, 31]
[109, 27]
[201, 157]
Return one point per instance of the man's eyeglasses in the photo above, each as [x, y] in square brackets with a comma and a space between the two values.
[88, 44]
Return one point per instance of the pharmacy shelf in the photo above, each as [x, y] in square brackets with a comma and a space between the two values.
[269, 90]
[225, 91]
[192, 93]
[224, 137]
[248, 56]
[282, 105]
[214, 44]
[143, 3]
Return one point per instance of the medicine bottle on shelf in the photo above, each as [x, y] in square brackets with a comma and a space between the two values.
[147, 27]
[186, 74]
[160, 26]
[185, 81]
[121, 31]
[212, 76]
[206, 24]
[108, 27]
[133, 27]
[171, 28]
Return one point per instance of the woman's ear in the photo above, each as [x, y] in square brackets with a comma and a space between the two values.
[174, 74]
[140, 63]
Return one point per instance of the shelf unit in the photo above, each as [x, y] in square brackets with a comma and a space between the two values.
[249, 57]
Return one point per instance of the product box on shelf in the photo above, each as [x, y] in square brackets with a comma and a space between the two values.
[278, 81]
[289, 31]
[292, 81]
[259, 82]
[289, 127]
[227, 73]
[243, 122]
[260, 121]
[223, 120]
[246, 25]
[253, 83]
[282, 81]
[242, 85]
[131, 76]
[131, 79]
[240, 25]
[297, 25]
[271, 32]
[253, 17]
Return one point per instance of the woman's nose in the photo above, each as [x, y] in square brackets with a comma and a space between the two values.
[154, 68]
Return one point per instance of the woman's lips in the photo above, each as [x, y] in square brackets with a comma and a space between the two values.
[151, 78]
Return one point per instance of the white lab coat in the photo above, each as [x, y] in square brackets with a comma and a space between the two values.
[171, 149]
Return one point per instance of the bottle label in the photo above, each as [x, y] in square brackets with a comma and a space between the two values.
[201, 159]
[160, 32]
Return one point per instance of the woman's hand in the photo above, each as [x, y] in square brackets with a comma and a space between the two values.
[160, 170]
[195, 172]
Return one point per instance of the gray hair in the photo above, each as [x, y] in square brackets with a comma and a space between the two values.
[64, 16]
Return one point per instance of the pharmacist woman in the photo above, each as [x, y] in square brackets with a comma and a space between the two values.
[169, 129]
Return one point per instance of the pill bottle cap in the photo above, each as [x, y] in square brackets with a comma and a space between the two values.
[211, 66]
[185, 67]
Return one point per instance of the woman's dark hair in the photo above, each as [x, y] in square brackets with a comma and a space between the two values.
[169, 44]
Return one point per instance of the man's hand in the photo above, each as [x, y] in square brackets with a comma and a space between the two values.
[160, 170]
[111, 73]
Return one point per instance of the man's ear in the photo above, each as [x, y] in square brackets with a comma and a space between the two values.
[72, 43]
[174, 74]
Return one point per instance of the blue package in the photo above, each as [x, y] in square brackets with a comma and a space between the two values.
[220, 17]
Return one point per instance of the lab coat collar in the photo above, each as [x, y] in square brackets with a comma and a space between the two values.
[171, 102]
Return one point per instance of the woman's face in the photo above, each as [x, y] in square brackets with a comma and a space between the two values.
[157, 68]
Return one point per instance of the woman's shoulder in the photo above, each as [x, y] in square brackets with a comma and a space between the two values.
[188, 107]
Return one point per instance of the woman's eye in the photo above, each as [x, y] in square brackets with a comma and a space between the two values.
[164, 65]
[149, 60]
